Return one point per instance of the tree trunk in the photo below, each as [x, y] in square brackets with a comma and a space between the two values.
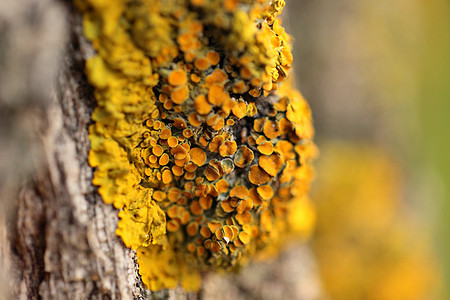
[57, 236]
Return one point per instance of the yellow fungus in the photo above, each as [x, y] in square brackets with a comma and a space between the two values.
[244, 206]
[201, 251]
[168, 104]
[172, 226]
[245, 73]
[179, 123]
[191, 247]
[226, 206]
[159, 196]
[230, 122]
[215, 143]
[215, 247]
[205, 232]
[189, 176]
[174, 194]
[255, 92]
[260, 139]
[285, 126]
[195, 78]
[177, 171]
[190, 167]
[219, 125]
[152, 159]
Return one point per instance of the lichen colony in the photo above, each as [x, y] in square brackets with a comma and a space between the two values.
[198, 140]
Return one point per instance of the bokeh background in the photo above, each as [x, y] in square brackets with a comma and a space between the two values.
[377, 76]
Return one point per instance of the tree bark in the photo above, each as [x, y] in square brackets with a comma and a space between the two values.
[57, 236]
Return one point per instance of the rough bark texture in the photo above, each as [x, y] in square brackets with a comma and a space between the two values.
[57, 236]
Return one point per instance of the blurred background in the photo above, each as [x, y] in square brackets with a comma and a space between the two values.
[377, 76]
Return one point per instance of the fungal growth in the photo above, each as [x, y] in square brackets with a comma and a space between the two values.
[198, 140]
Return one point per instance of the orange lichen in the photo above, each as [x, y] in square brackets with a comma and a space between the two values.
[202, 63]
[195, 132]
[265, 191]
[201, 105]
[179, 95]
[257, 175]
[244, 156]
[165, 134]
[218, 76]
[211, 173]
[258, 124]
[271, 129]
[272, 164]
[265, 148]
[228, 148]
[213, 57]
[240, 110]
[222, 186]
[157, 150]
[194, 120]
[179, 123]
[177, 77]
[172, 142]
[239, 191]
[166, 177]
[198, 156]
[215, 143]
[216, 95]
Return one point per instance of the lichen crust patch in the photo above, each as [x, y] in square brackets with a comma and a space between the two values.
[198, 140]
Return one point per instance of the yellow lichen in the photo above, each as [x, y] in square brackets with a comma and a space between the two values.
[195, 132]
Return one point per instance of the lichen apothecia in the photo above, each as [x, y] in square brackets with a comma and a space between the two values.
[197, 138]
